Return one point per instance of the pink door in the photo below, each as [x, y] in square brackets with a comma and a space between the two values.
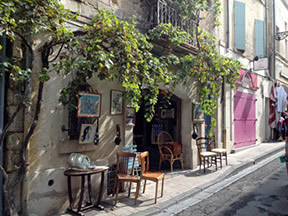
[244, 119]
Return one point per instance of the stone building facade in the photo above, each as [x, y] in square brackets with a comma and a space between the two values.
[50, 147]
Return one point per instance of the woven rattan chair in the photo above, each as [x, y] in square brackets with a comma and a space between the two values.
[166, 153]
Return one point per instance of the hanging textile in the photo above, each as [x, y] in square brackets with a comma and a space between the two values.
[272, 116]
[282, 95]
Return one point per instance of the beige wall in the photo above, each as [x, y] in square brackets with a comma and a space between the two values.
[49, 148]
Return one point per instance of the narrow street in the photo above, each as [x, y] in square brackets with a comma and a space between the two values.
[263, 192]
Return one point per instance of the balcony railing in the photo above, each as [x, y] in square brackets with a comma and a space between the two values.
[164, 13]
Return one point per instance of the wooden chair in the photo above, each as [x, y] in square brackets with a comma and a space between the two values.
[133, 149]
[151, 176]
[204, 153]
[166, 152]
[221, 152]
[124, 174]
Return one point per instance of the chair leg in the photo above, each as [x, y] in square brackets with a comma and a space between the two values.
[216, 162]
[204, 161]
[129, 189]
[115, 183]
[182, 163]
[156, 192]
[144, 186]
[226, 159]
[162, 189]
[118, 184]
[137, 191]
[221, 160]
[171, 164]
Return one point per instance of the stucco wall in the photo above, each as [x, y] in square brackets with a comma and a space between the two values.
[49, 148]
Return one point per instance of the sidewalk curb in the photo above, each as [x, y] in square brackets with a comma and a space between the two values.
[188, 194]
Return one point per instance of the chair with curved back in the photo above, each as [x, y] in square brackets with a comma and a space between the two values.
[125, 174]
[206, 157]
[151, 176]
[164, 141]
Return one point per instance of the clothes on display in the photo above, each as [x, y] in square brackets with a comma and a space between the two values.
[272, 116]
[281, 99]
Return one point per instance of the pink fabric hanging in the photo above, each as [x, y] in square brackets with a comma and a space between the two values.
[272, 117]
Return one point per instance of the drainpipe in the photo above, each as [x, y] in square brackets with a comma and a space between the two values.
[228, 23]
[266, 21]
[273, 73]
[223, 84]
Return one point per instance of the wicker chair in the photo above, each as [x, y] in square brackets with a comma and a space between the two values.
[164, 141]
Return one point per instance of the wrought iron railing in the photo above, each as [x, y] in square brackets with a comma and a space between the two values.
[164, 13]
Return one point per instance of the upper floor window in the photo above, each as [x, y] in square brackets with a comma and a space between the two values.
[239, 25]
[259, 38]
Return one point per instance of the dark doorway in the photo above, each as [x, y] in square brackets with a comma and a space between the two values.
[167, 118]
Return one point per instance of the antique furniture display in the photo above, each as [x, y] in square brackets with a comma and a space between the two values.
[169, 150]
[74, 172]
[151, 176]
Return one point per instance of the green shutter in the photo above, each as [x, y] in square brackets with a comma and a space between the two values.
[239, 25]
[259, 38]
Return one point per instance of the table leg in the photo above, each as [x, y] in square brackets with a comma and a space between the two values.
[70, 193]
[89, 188]
[100, 192]
[81, 193]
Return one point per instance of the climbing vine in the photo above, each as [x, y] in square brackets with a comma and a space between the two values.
[114, 49]
[191, 9]
[107, 49]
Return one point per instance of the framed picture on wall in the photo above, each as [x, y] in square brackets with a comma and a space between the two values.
[89, 105]
[116, 102]
[197, 112]
[87, 133]
[130, 115]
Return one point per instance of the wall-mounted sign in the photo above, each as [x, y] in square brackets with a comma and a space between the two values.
[261, 64]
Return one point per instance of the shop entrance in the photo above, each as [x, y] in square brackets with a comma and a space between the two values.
[167, 118]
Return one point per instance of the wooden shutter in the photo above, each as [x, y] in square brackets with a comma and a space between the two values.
[259, 38]
[239, 25]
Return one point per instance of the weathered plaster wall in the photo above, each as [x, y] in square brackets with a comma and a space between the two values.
[49, 148]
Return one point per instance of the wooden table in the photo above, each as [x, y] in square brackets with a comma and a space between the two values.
[81, 172]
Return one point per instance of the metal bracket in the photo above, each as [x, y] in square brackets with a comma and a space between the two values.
[281, 35]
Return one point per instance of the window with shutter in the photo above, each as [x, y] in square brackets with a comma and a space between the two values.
[259, 38]
[239, 25]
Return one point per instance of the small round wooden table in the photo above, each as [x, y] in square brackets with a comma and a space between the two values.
[84, 172]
